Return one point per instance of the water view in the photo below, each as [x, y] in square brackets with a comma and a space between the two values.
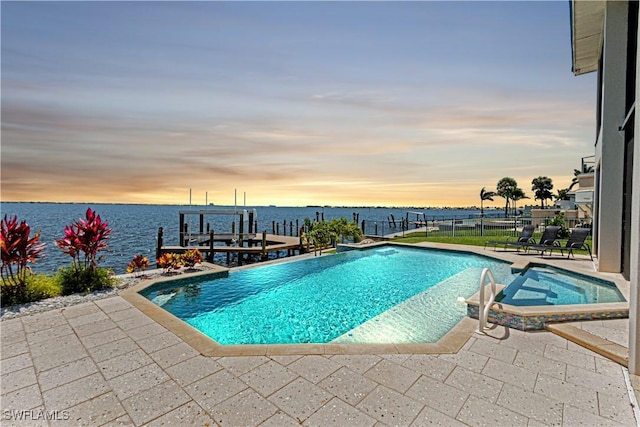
[135, 227]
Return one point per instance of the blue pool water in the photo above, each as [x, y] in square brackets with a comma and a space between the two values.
[549, 286]
[383, 294]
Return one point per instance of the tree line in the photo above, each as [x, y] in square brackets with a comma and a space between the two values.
[508, 189]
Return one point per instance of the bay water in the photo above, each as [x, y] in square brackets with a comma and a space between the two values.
[135, 227]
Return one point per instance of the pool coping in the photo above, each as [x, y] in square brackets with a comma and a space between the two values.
[451, 342]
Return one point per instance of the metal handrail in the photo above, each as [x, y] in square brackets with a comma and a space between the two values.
[483, 309]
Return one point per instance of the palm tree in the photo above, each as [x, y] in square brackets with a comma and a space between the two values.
[577, 172]
[518, 194]
[562, 194]
[485, 195]
[505, 189]
[541, 187]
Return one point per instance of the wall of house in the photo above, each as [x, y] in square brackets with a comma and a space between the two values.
[610, 144]
[634, 300]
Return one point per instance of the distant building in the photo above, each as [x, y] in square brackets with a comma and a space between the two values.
[604, 39]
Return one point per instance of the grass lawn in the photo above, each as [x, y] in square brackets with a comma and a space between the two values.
[473, 240]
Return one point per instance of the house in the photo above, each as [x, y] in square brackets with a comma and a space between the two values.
[604, 39]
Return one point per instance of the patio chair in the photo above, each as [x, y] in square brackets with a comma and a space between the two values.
[526, 236]
[576, 241]
[548, 241]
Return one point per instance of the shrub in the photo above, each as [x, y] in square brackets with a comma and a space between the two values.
[169, 262]
[559, 221]
[191, 257]
[82, 241]
[84, 238]
[139, 263]
[42, 286]
[37, 287]
[18, 249]
[80, 279]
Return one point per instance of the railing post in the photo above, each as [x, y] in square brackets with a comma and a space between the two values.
[483, 309]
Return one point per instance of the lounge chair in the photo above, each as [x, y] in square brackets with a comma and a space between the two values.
[576, 241]
[549, 238]
[548, 241]
[526, 236]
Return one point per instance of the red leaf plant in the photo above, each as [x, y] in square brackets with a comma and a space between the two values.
[17, 249]
[84, 238]
[139, 263]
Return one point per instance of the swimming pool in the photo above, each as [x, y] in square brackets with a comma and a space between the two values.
[539, 286]
[381, 294]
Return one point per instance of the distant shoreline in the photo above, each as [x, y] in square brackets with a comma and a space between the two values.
[471, 208]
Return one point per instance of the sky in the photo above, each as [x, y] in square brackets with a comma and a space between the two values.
[289, 103]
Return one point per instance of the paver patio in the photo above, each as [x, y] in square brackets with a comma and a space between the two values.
[106, 363]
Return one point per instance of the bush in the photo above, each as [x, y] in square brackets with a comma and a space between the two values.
[191, 257]
[138, 264]
[18, 249]
[169, 262]
[84, 279]
[36, 288]
[559, 221]
[82, 241]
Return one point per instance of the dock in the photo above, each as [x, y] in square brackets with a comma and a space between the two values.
[242, 242]
[250, 247]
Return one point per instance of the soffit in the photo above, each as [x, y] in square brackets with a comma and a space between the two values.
[587, 26]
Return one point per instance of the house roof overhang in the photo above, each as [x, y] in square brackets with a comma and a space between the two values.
[587, 29]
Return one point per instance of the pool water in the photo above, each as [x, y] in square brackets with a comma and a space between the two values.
[549, 286]
[348, 297]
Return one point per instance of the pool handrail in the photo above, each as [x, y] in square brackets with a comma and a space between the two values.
[483, 309]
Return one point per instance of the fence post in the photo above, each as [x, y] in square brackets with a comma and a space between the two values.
[453, 228]
[426, 226]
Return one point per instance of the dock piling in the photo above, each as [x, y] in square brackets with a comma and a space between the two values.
[159, 243]
[211, 241]
[263, 254]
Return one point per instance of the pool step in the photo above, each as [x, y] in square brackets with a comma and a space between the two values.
[527, 291]
[425, 317]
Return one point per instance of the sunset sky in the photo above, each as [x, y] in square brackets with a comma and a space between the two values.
[292, 103]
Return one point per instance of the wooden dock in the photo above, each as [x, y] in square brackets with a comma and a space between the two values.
[243, 246]
[244, 242]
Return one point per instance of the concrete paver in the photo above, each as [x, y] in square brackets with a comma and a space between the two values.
[107, 363]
